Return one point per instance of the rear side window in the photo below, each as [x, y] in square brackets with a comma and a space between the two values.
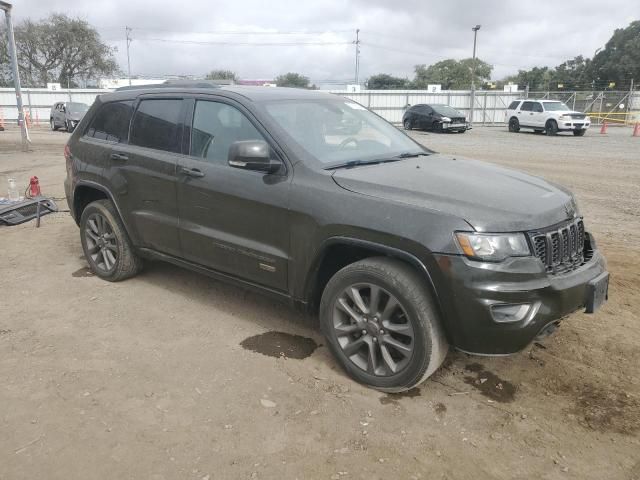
[527, 106]
[111, 123]
[155, 124]
[514, 105]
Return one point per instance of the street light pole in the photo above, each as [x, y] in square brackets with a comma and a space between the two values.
[127, 32]
[13, 58]
[473, 72]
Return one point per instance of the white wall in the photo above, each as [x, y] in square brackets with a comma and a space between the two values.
[40, 100]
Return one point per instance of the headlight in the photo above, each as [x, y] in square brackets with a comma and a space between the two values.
[446, 119]
[564, 117]
[587, 119]
[493, 247]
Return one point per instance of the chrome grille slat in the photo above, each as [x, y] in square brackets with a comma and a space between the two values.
[561, 248]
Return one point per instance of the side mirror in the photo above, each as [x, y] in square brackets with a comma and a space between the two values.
[253, 155]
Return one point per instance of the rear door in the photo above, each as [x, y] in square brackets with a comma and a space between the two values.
[526, 114]
[231, 220]
[143, 172]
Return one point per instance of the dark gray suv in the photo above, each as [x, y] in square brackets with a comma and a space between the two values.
[67, 115]
[400, 251]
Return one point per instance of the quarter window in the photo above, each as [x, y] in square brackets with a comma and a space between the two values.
[111, 123]
[155, 124]
[215, 127]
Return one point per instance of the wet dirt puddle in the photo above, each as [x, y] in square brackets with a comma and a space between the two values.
[280, 344]
[489, 384]
[82, 272]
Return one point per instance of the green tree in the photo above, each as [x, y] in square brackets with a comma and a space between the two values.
[222, 75]
[384, 81]
[452, 74]
[619, 60]
[538, 78]
[59, 49]
[291, 79]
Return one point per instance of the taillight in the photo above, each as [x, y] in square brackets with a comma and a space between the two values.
[67, 156]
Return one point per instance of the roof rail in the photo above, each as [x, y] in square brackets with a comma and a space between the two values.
[173, 84]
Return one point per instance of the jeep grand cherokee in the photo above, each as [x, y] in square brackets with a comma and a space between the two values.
[402, 252]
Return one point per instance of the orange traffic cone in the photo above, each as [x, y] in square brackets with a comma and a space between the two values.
[37, 118]
[636, 130]
[603, 129]
[1, 118]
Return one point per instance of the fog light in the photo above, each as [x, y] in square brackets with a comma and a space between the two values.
[506, 313]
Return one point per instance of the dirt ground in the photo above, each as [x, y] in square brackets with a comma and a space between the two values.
[160, 376]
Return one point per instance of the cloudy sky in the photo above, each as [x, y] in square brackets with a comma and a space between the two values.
[318, 35]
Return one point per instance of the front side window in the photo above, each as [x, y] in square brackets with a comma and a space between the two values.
[537, 107]
[215, 127]
[155, 124]
[337, 131]
[514, 105]
[111, 123]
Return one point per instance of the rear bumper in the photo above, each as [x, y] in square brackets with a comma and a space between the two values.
[472, 292]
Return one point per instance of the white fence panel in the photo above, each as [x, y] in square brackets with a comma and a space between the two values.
[38, 101]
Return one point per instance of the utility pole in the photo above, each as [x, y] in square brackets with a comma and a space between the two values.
[357, 44]
[13, 58]
[473, 72]
[128, 32]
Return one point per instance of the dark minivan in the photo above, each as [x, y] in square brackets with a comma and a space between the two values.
[312, 199]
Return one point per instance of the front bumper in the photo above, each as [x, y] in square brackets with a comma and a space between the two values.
[470, 291]
[574, 124]
[455, 127]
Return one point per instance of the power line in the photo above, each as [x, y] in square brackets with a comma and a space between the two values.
[240, 32]
[239, 44]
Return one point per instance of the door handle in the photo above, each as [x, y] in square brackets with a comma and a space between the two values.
[191, 172]
[119, 157]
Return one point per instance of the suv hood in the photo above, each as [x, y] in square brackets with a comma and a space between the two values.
[488, 197]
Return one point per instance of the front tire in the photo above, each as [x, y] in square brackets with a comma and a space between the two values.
[579, 133]
[437, 127]
[407, 124]
[381, 324]
[551, 128]
[52, 124]
[69, 127]
[106, 244]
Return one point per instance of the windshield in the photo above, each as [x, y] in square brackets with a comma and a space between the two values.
[75, 107]
[339, 131]
[554, 106]
[447, 111]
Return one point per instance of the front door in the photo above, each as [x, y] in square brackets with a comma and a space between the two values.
[231, 220]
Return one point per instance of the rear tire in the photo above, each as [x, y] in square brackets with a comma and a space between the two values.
[413, 345]
[579, 133]
[514, 125]
[551, 128]
[106, 244]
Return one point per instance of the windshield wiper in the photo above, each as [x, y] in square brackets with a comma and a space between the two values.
[411, 154]
[357, 163]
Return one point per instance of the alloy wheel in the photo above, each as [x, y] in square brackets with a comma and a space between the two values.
[373, 329]
[101, 242]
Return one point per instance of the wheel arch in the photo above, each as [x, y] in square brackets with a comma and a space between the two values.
[337, 252]
[86, 192]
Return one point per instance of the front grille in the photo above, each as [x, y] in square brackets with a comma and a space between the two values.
[577, 116]
[578, 124]
[458, 120]
[561, 248]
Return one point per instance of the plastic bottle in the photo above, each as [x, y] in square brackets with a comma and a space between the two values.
[12, 192]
